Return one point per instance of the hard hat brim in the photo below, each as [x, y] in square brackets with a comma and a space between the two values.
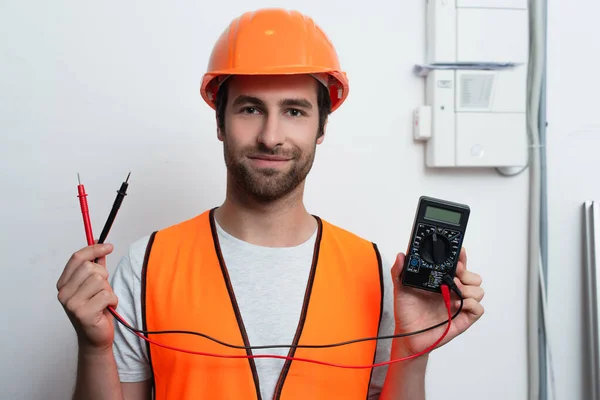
[338, 82]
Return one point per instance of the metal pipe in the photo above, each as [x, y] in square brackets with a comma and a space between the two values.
[591, 213]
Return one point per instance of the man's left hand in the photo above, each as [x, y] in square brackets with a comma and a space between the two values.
[417, 309]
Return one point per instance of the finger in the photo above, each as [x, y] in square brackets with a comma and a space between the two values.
[462, 257]
[102, 300]
[461, 265]
[78, 258]
[81, 274]
[473, 309]
[97, 304]
[460, 269]
[86, 254]
[472, 292]
[94, 284]
[468, 278]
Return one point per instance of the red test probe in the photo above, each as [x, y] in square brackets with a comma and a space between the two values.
[85, 211]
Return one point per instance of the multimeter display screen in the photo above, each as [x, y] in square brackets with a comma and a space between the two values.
[440, 214]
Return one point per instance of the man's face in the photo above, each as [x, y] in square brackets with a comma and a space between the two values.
[271, 129]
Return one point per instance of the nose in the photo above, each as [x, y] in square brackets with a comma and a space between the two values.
[271, 134]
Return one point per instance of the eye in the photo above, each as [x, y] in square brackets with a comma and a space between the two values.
[250, 110]
[295, 113]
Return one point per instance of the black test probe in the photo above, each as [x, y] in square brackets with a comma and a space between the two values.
[121, 193]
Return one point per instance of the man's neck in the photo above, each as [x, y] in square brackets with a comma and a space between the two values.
[281, 223]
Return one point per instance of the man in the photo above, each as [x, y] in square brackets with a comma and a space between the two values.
[258, 270]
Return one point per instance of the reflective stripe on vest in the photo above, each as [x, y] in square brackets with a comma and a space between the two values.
[185, 286]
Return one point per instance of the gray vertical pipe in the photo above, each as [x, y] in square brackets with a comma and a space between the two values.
[591, 234]
[542, 122]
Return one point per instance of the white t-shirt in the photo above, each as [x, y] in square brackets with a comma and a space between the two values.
[269, 285]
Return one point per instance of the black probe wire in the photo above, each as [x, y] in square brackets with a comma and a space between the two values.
[309, 346]
[122, 192]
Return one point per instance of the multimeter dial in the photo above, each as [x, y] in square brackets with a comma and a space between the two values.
[434, 247]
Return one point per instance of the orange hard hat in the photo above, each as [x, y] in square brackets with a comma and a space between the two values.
[274, 41]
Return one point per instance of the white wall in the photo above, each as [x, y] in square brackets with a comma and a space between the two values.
[573, 165]
[103, 89]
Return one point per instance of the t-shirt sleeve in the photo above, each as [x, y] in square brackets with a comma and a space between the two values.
[386, 328]
[129, 350]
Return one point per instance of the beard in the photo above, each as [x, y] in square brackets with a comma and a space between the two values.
[267, 184]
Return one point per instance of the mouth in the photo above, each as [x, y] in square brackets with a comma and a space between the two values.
[268, 161]
[268, 158]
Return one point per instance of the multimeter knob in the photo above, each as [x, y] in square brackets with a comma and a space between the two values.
[435, 249]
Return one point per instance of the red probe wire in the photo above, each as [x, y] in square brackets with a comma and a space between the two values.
[90, 240]
[445, 293]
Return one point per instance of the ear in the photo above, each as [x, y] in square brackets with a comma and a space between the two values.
[220, 133]
[322, 137]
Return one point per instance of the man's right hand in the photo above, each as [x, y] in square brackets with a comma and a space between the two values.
[85, 293]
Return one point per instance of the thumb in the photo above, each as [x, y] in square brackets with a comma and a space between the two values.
[397, 268]
[102, 261]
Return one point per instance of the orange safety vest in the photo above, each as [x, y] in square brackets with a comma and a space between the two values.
[185, 286]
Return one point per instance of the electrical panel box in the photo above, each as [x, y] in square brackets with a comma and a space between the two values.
[477, 116]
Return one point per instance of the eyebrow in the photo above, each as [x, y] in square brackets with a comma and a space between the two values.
[299, 102]
[243, 99]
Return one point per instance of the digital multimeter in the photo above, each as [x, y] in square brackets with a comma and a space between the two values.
[437, 236]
